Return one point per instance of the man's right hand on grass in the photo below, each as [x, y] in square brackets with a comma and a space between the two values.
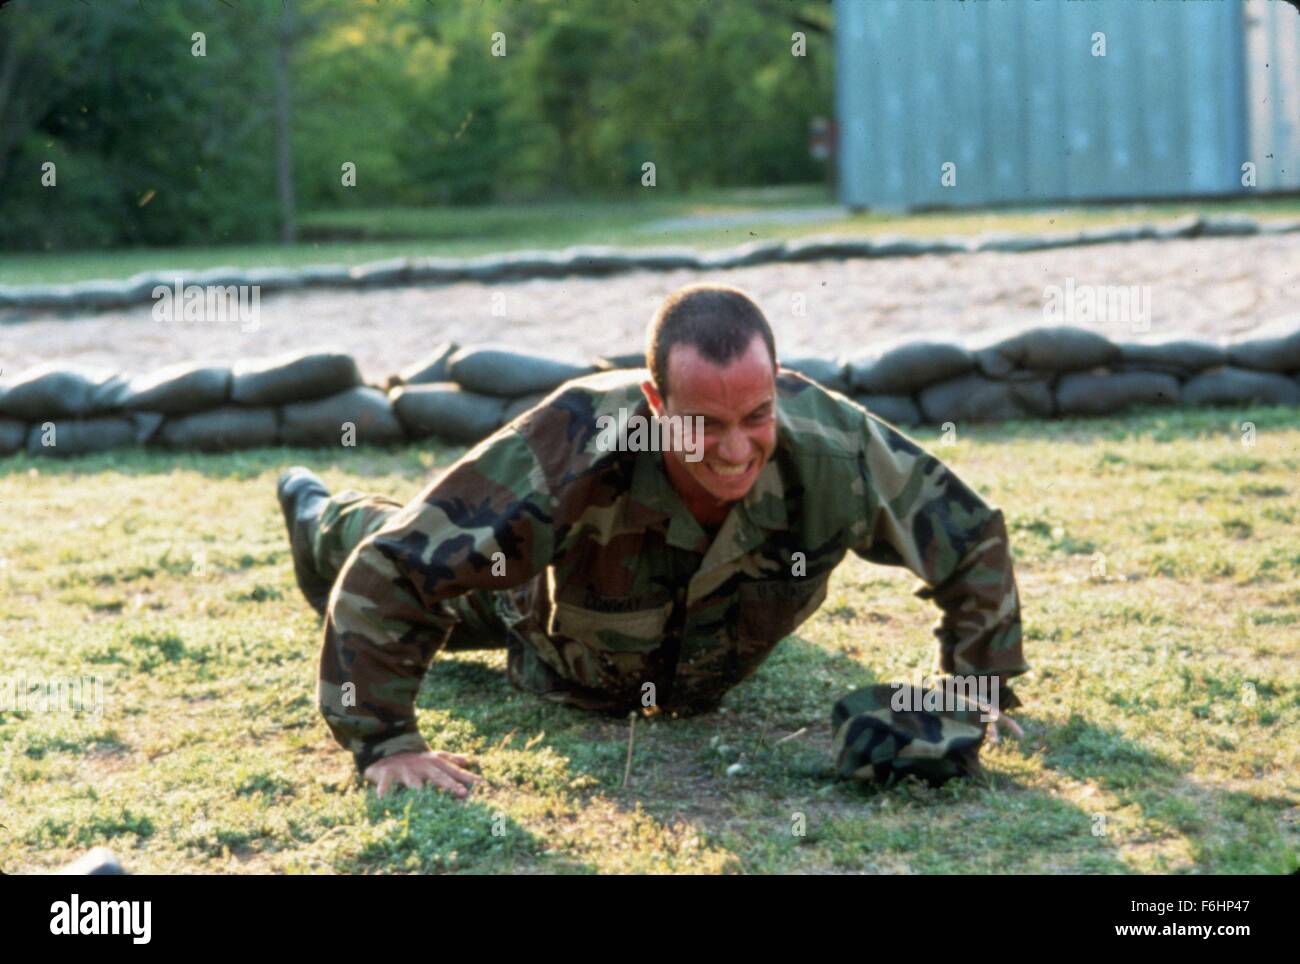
[436, 767]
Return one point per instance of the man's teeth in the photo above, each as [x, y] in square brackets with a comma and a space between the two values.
[722, 469]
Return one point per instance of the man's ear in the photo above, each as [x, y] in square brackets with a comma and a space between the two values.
[652, 396]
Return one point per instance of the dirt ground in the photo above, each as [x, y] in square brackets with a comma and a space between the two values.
[1209, 288]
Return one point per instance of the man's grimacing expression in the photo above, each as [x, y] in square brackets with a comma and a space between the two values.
[738, 404]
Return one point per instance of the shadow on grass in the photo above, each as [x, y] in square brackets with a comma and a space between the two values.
[731, 775]
[1166, 795]
[738, 776]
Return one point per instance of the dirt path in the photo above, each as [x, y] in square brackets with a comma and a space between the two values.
[1208, 288]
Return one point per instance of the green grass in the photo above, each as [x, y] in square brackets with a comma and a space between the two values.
[374, 234]
[1160, 578]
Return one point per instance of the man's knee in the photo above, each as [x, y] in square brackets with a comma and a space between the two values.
[478, 622]
[346, 520]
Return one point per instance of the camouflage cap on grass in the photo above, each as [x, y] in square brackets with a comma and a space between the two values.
[876, 742]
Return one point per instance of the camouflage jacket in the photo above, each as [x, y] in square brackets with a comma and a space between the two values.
[614, 585]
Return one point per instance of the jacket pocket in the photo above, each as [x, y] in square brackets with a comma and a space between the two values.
[769, 610]
[615, 624]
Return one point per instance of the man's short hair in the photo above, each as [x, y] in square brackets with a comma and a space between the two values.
[719, 321]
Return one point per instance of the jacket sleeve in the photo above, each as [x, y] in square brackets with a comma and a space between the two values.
[920, 515]
[485, 524]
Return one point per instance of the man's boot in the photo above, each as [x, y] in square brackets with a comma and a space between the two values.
[302, 497]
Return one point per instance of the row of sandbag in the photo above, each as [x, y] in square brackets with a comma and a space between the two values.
[598, 260]
[463, 394]
[363, 415]
[54, 390]
[308, 399]
[1063, 371]
[367, 415]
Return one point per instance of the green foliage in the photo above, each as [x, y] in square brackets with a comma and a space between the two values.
[151, 144]
[156, 146]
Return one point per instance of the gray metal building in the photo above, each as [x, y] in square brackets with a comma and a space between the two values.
[1024, 101]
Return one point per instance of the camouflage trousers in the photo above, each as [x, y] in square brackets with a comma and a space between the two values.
[482, 619]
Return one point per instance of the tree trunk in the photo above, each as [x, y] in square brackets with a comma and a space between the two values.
[283, 129]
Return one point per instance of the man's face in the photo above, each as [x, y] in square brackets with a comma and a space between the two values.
[738, 404]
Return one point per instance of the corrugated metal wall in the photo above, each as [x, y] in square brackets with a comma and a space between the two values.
[1011, 93]
[1273, 93]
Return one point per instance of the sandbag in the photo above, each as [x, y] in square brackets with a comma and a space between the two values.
[1238, 386]
[223, 276]
[107, 396]
[756, 252]
[293, 378]
[898, 246]
[1110, 234]
[899, 409]
[521, 405]
[523, 264]
[448, 411]
[430, 369]
[1082, 393]
[667, 259]
[909, 368]
[230, 427]
[1275, 348]
[1017, 243]
[96, 295]
[178, 389]
[146, 425]
[22, 297]
[487, 268]
[80, 436]
[1183, 357]
[277, 279]
[326, 275]
[46, 297]
[1279, 226]
[145, 282]
[55, 390]
[974, 398]
[1229, 226]
[1187, 226]
[631, 359]
[321, 422]
[13, 435]
[393, 271]
[1058, 348]
[826, 248]
[440, 270]
[830, 373]
[509, 374]
[596, 259]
